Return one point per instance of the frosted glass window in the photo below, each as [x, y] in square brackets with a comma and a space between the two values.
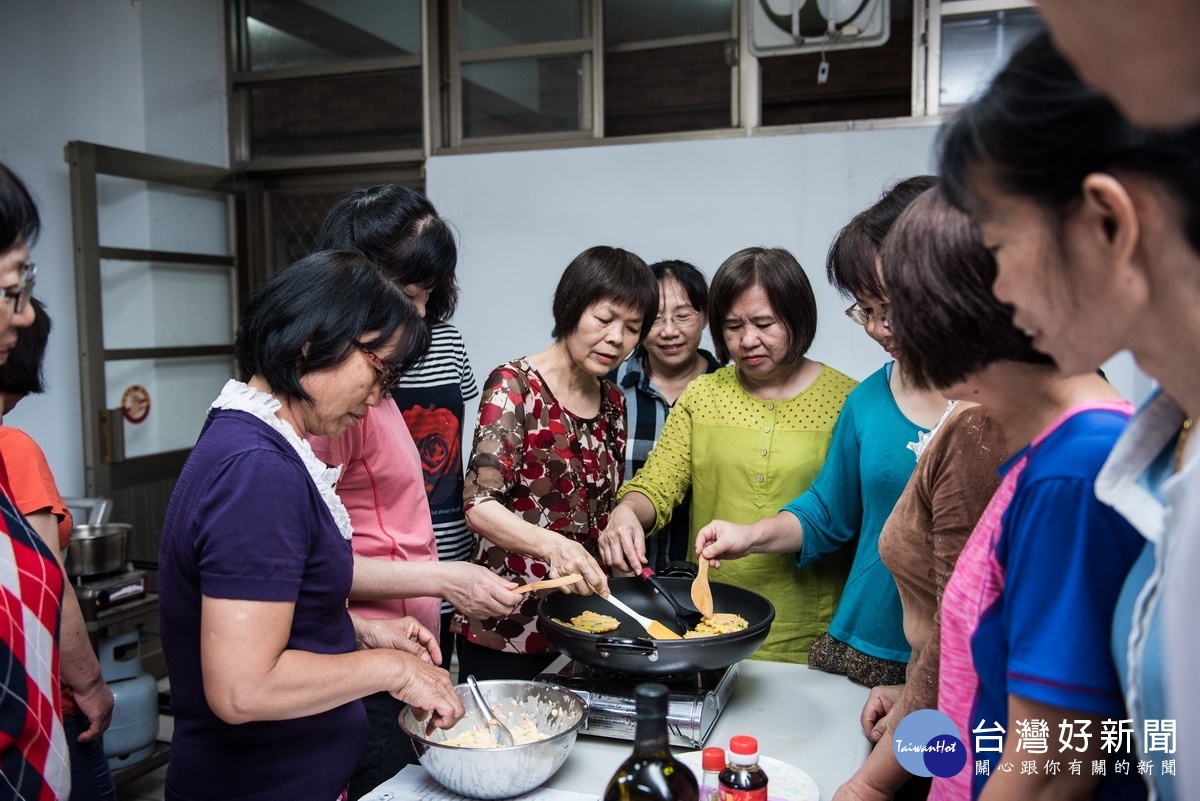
[522, 96]
[976, 46]
[284, 33]
[488, 23]
[343, 114]
[667, 89]
[645, 20]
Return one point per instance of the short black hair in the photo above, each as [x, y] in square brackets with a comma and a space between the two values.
[314, 313]
[850, 265]
[694, 284]
[604, 273]
[21, 375]
[1038, 131]
[786, 285]
[19, 220]
[695, 287]
[944, 318]
[400, 230]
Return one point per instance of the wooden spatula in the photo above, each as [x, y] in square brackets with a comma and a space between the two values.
[701, 592]
[546, 584]
[655, 629]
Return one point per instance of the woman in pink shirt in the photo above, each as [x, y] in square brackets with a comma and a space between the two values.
[396, 567]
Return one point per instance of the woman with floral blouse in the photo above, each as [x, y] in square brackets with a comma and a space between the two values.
[548, 455]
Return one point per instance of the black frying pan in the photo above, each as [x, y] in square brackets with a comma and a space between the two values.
[630, 650]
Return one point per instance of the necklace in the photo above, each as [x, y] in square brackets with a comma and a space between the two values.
[1181, 443]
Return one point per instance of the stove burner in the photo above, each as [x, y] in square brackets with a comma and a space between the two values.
[696, 699]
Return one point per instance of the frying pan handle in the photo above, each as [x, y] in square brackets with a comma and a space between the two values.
[649, 576]
[679, 569]
[607, 646]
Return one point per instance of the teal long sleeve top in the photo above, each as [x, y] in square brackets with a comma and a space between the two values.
[868, 466]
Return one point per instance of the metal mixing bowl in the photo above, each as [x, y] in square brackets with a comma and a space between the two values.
[501, 772]
[97, 549]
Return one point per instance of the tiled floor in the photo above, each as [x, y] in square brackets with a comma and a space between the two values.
[148, 787]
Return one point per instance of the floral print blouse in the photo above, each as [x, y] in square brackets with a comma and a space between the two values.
[552, 469]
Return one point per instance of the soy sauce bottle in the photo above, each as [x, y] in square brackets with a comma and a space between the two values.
[651, 773]
[743, 779]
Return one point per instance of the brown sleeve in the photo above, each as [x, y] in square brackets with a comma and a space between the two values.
[963, 459]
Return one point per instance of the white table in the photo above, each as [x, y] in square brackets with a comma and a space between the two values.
[798, 715]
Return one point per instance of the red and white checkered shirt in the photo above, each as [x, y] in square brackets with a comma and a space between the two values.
[33, 748]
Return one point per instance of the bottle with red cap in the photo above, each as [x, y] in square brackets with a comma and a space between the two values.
[743, 779]
[712, 761]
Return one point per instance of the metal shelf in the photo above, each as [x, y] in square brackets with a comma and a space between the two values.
[160, 757]
[122, 612]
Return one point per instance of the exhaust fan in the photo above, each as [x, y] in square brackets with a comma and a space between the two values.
[787, 27]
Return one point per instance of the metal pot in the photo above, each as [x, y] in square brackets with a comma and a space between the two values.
[501, 772]
[630, 650]
[97, 549]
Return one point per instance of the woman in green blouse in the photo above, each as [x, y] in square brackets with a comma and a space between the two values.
[746, 440]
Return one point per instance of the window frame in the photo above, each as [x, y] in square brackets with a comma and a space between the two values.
[735, 46]
[441, 60]
[938, 11]
[241, 79]
[592, 76]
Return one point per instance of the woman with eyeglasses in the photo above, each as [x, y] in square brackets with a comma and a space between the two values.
[87, 702]
[654, 377]
[747, 438]
[17, 273]
[548, 454]
[267, 664]
[1095, 224]
[33, 748]
[398, 570]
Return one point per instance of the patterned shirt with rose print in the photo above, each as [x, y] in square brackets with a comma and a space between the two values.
[550, 468]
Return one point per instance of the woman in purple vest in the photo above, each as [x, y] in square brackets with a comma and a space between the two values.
[267, 665]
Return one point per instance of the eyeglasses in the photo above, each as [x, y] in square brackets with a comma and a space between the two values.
[863, 316]
[24, 288]
[681, 319]
[387, 376]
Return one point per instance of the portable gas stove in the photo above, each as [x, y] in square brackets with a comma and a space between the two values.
[111, 604]
[102, 592]
[695, 702]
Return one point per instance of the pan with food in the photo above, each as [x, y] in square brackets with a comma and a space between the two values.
[629, 649]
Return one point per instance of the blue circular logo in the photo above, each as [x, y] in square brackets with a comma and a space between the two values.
[927, 743]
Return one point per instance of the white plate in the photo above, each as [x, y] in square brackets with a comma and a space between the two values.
[785, 782]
